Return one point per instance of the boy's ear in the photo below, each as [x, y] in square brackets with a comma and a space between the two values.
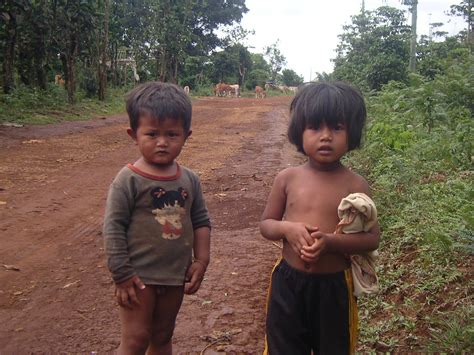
[132, 133]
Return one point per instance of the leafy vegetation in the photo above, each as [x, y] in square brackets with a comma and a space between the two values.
[35, 106]
[419, 159]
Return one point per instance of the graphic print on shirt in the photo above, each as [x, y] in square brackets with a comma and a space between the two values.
[168, 208]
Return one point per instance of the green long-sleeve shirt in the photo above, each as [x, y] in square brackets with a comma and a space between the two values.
[149, 225]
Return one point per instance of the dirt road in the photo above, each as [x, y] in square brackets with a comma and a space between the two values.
[53, 183]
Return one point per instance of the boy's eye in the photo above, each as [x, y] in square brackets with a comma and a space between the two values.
[151, 134]
[340, 127]
[313, 127]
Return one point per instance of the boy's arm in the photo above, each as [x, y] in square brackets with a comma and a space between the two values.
[271, 225]
[356, 243]
[201, 249]
[350, 243]
[344, 243]
[116, 220]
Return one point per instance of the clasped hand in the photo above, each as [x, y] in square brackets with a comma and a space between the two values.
[306, 241]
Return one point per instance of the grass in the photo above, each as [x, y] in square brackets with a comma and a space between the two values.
[424, 196]
[34, 106]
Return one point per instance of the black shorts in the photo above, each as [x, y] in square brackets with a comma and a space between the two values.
[310, 312]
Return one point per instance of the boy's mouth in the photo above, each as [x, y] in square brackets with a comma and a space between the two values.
[325, 148]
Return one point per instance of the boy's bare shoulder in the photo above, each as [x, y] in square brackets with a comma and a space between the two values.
[357, 182]
[288, 173]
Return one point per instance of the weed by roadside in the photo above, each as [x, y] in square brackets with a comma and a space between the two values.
[34, 106]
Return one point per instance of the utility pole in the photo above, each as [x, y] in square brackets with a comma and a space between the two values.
[412, 63]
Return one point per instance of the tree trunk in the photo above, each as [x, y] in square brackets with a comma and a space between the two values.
[40, 62]
[163, 65]
[9, 53]
[103, 54]
[174, 80]
[113, 65]
[412, 64]
[242, 72]
[71, 68]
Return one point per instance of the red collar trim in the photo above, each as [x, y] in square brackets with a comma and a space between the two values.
[156, 177]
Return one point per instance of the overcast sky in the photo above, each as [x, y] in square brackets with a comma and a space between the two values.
[307, 30]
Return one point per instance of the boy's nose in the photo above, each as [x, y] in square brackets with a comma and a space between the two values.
[326, 133]
[161, 141]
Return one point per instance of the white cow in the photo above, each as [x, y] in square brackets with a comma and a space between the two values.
[236, 89]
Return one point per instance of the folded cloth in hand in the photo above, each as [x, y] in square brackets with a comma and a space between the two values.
[357, 213]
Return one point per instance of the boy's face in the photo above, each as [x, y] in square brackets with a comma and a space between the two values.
[325, 145]
[159, 142]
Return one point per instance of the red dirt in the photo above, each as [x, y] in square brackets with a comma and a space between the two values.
[53, 183]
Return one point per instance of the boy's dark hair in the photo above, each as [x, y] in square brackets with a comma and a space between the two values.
[329, 102]
[160, 101]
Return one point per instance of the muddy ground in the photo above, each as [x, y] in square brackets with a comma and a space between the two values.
[53, 183]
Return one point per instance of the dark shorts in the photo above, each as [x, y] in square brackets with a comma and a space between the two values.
[310, 312]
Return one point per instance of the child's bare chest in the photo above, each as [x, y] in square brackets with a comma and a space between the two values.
[315, 201]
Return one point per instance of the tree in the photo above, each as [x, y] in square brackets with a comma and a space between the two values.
[290, 78]
[464, 9]
[74, 26]
[374, 49]
[225, 66]
[102, 67]
[260, 72]
[33, 43]
[276, 60]
[188, 28]
[10, 11]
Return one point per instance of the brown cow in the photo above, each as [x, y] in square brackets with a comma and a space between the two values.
[260, 93]
[223, 89]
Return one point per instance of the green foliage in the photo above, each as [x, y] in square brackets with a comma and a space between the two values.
[256, 77]
[88, 82]
[28, 105]
[374, 49]
[418, 158]
[276, 60]
[290, 78]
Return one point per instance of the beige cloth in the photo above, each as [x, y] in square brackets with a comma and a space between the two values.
[357, 213]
